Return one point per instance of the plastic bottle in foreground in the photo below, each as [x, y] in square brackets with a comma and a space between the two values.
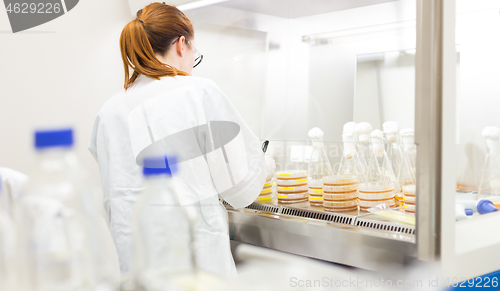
[319, 167]
[9, 268]
[53, 218]
[161, 230]
[489, 188]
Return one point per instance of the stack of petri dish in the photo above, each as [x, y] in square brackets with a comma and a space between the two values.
[400, 199]
[292, 186]
[315, 192]
[409, 191]
[339, 193]
[373, 194]
[266, 195]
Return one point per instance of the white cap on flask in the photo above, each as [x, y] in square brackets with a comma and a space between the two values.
[378, 142]
[349, 145]
[408, 136]
[391, 129]
[492, 135]
[363, 129]
[316, 136]
[349, 127]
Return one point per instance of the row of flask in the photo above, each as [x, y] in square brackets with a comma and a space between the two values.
[384, 153]
[54, 239]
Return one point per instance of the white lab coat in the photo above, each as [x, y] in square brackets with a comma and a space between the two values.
[144, 120]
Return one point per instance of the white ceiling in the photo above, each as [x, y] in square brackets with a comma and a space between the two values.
[297, 8]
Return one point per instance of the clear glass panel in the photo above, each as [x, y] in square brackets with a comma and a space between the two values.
[289, 66]
[478, 91]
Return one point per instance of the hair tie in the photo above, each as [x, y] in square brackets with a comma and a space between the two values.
[140, 20]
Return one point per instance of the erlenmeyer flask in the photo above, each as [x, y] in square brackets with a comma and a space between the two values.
[489, 188]
[380, 168]
[381, 183]
[350, 163]
[319, 167]
[407, 175]
[394, 151]
[363, 146]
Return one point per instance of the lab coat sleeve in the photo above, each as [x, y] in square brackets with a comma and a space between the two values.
[239, 161]
[93, 138]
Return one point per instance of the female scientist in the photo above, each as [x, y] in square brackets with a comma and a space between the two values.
[163, 110]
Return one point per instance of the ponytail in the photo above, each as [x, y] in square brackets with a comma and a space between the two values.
[153, 31]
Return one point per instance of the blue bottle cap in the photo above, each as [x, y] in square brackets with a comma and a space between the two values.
[53, 138]
[486, 206]
[159, 166]
[469, 211]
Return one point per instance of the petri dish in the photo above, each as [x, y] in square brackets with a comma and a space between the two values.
[333, 209]
[290, 175]
[341, 196]
[340, 189]
[315, 183]
[375, 187]
[269, 183]
[410, 208]
[410, 200]
[376, 195]
[365, 204]
[316, 200]
[339, 180]
[295, 189]
[399, 199]
[266, 191]
[265, 198]
[292, 198]
[341, 204]
[409, 190]
[315, 192]
[292, 182]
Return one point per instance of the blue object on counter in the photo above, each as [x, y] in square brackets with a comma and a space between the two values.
[469, 211]
[486, 206]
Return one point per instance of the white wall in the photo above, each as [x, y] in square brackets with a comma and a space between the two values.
[59, 73]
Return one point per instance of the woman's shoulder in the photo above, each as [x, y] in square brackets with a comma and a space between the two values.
[194, 80]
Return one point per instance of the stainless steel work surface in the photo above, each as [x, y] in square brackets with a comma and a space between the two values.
[354, 238]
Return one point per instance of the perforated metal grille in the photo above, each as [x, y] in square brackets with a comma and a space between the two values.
[385, 226]
[263, 207]
[330, 217]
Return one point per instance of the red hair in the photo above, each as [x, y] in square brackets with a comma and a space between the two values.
[154, 30]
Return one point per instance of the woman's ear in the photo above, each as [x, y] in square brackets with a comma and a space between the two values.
[180, 46]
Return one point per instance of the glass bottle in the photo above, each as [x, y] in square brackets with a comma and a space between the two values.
[53, 222]
[161, 230]
[9, 268]
[489, 187]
